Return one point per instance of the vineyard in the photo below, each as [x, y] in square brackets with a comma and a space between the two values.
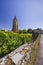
[9, 41]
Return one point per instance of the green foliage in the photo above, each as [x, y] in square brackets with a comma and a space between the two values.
[20, 31]
[29, 30]
[23, 31]
[9, 41]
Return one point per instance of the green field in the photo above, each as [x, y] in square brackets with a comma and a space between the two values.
[9, 41]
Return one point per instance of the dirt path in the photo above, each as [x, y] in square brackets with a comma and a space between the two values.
[39, 60]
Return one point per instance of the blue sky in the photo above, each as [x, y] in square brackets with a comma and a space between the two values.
[28, 12]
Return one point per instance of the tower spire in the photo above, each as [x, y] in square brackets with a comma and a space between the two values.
[15, 17]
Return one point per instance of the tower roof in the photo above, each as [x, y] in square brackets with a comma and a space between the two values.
[15, 18]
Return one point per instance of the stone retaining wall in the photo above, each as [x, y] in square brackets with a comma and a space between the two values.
[34, 50]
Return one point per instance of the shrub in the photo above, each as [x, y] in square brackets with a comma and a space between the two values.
[9, 41]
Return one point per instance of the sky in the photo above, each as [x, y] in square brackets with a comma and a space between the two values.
[28, 12]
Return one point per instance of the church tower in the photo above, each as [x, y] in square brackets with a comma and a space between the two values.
[15, 25]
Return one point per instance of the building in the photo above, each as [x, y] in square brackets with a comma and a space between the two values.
[15, 25]
[38, 30]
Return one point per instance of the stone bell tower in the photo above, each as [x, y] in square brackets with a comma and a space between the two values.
[15, 25]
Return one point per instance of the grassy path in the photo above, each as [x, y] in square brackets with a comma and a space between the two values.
[39, 60]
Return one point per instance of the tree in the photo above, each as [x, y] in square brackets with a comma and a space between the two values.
[29, 30]
[24, 31]
[20, 31]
